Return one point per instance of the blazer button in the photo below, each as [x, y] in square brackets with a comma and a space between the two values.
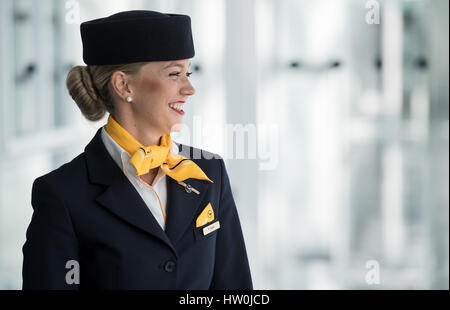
[169, 266]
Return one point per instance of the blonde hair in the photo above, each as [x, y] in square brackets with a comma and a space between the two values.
[89, 87]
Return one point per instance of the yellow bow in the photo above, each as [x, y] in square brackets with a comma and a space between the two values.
[144, 158]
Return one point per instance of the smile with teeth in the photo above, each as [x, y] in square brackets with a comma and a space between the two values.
[176, 106]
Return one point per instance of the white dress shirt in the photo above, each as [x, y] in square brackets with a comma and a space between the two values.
[155, 194]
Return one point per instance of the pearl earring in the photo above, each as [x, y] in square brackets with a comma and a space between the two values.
[129, 99]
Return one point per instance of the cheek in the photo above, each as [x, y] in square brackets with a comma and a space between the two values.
[157, 92]
[150, 88]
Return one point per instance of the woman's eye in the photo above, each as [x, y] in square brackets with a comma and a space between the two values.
[178, 74]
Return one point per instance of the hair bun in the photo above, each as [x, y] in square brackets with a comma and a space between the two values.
[83, 91]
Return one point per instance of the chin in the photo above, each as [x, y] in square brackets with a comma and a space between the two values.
[177, 127]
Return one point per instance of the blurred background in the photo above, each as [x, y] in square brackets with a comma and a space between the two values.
[344, 182]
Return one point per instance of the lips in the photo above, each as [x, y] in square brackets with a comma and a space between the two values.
[181, 112]
[177, 107]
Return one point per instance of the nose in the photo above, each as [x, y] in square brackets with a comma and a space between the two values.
[188, 89]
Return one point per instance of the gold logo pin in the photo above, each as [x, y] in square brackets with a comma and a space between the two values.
[189, 189]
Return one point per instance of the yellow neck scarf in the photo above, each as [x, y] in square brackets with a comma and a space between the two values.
[144, 158]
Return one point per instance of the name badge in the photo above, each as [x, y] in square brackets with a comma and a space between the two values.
[211, 228]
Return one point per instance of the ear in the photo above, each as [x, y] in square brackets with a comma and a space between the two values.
[120, 84]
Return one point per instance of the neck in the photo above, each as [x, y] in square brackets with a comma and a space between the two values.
[144, 135]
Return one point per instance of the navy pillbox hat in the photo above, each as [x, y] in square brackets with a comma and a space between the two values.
[137, 36]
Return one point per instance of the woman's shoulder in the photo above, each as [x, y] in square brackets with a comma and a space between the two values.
[68, 174]
[74, 173]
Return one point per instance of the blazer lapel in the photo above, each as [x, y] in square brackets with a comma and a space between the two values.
[181, 205]
[121, 198]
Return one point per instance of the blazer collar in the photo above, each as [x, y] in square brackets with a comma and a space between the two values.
[122, 199]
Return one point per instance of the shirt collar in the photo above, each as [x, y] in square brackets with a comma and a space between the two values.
[120, 156]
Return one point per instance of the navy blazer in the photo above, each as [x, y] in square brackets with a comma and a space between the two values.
[87, 211]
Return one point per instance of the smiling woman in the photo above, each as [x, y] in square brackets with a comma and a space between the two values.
[155, 90]
[135, 210]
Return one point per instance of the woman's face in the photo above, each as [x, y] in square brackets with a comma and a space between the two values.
[158, 85]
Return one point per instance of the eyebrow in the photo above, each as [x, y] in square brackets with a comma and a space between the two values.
[175, 65]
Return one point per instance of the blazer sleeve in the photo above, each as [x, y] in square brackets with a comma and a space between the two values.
[231, 270]
[50, 242]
